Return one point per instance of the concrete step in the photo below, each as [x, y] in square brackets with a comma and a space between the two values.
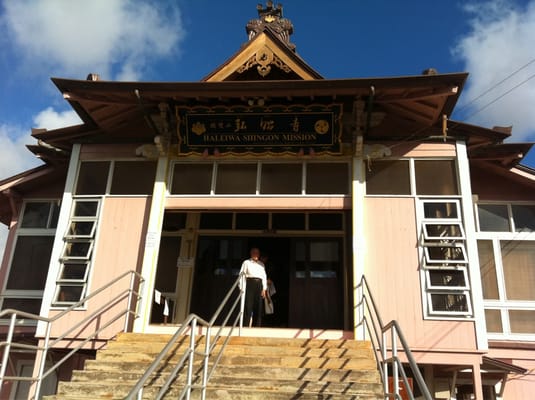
[250, 368]
[290, 388]
[133, 371]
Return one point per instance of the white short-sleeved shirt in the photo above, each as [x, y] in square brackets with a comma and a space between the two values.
[254, 269]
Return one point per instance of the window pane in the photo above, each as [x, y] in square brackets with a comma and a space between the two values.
[519, 269]
[438, 231]
[488, 270]
[447, 277]
[522, 321]
[174, 221]
[324, 259]
[326, 222]
[166, 271]
[493, 218]
[192, 179]
[92, 177]
[494, 321]
[324, 178]
[441, 210]
[388, 177]
[36, 215]
[216, 221]
[74, 271]
[81, 228]
[30, 259]
[281, 178]
[32, 306]
[77, 250]
[288, 221]
[436, 177]
[256, 221]
[69, 293]
[437, 254]
[236, 179]
[85, 208]
[449, 302]
[55, 215]
[133, 177]
[524, 217]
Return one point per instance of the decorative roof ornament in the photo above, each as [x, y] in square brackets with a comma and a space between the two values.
[271, 18]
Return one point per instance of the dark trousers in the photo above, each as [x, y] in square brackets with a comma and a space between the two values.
[253, 302]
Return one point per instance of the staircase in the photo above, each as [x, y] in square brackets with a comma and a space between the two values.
[251, 368]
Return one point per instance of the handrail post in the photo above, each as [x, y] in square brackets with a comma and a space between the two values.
[129, 302]
[395, 372]
[243, 287]
[385, 363]
[42, 361]
[207, 346]
[7, 349]
[191, 357]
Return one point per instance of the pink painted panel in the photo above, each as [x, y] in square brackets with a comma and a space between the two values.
[500, 185]
[391, 267]
[301, 203]
[119, 248]
[434, 149]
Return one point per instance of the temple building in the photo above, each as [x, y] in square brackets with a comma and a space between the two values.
[164, 187]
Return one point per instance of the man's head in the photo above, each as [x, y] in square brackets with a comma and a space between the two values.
[255, 253]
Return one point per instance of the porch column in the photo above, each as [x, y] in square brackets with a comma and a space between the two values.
[471, 246]
[152, 243]
[358, 191]
[478, 384]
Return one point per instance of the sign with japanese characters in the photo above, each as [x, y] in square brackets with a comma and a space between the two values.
[275, 129]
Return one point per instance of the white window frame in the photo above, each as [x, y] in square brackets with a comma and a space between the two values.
[431, 287]
[258, 183]
[465, 293]
[21, 232]
[441, 222]
[430, 261]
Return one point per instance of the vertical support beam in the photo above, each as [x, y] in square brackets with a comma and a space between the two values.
[358, 191]
[471, 246]
[63, 222]
[478, 384]
[152, 243]
[429, 377]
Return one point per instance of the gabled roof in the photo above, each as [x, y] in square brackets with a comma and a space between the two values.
[265, 57]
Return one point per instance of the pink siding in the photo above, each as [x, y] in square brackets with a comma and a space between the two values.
[304, 203]
[517, 386]
[422, 149]
[119, 248]
[391, 267]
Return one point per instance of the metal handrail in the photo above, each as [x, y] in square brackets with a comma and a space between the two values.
[191, 323]
[49, 343]
[379, 335]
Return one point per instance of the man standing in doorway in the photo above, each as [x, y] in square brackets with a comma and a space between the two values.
[255, 289]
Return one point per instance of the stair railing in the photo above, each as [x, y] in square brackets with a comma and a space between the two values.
[17, 318]
[190, 325]
[385, 338]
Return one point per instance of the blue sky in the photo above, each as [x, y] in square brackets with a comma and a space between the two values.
[183, 40]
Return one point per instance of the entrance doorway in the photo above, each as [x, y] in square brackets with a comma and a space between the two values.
[306, 272]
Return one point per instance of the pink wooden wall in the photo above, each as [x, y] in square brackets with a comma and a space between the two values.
[119, 248]
[391, 267]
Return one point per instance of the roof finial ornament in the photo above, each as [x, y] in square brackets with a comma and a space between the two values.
[271, 18]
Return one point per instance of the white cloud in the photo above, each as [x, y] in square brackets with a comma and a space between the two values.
[15, 158]
[52, 119]
[499, 43]
[75, 37]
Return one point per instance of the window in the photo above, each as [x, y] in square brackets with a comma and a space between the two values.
[327, 178]
[260, 178]
[133, 177]
[192, 179]
[435, 177]
[115, 177]
[281, 178]
[31, 256]
[444, 262]
[508, 280]
[388, 177]
[77, 252]
[493, 218]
